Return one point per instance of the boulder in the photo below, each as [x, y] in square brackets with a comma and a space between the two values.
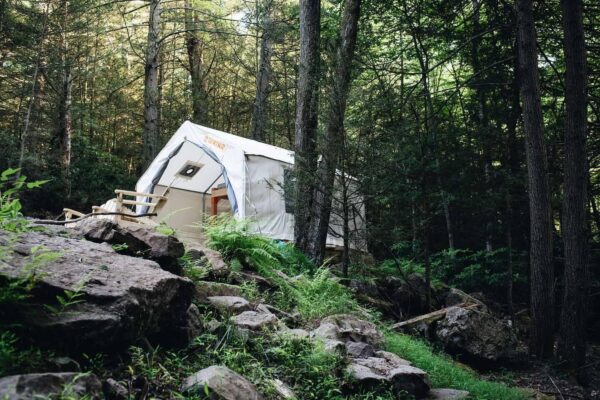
[293, 334]
[254, 320]
[138, 240]
[229, 304]
[221, 383]
[70, 385]
[283, 390]
[476, 335]
[208, 257]
[350, 327]
[206, 289]
[115, 299]
[64, 364]
[447, 394]
[377, 372]
[359, 350]
[114, 390]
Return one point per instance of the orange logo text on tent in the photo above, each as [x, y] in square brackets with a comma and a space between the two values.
[216, 143]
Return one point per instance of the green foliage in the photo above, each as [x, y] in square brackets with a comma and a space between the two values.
[303, 364]
[193, 269]
[444, 372]
[479, 270]
[315, 293]
[11, 185]
[322, 295]
[15, 360]
[235, 242]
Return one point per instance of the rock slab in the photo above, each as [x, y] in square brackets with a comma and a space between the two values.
[141, 240]
[71, 385]
[222, 383]
[119, 298]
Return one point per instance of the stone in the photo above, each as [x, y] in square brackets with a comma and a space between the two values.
[64, 364]
[402, 379]
[392, 358]
[141, 240]
[351, 328]
[206, 289]
[283, 390]
[254, 320]
[293, 334]
[359, 350]
[120, 298]
[447, 394]
[194, 321]
[222, 383]
[113, 390]
[72, 385]
[327, 331]
[478, 336]
[229, 304]
[208, 257]
[334, 346]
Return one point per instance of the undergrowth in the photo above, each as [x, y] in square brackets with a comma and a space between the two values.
[444, 372]
[314, 292]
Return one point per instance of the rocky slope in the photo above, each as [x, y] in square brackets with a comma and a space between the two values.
[89, 304]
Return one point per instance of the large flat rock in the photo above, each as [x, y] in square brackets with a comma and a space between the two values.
[64, 385]
[221, 383]
[119, 300]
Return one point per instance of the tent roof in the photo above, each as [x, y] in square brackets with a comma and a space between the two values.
[248, 146]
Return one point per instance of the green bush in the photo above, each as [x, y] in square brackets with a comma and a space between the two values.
[235, 242]
[322, 295]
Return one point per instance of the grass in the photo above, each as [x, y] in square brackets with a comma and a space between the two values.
[445, 373]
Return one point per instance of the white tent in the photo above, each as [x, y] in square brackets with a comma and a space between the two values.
[253, 178]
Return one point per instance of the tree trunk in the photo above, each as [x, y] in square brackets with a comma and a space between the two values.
[574, 227]
[542, 272]
[306, 118]
[196, 65]
[151, 135]
[334, 135]
[259, 114]
[64, 127]
[483, 125]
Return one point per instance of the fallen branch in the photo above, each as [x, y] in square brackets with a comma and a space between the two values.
[430, 317]
[69, 221]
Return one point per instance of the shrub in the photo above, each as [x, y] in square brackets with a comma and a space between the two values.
[234, 241]
[322, 295]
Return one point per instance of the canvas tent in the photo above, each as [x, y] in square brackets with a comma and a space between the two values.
[251, 179]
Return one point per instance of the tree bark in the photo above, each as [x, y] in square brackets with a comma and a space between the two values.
[306, 118]
[64, 127]
[334, 135]
[259, 113]
[574, 227]
[483, 124]
[151, 134]
[196, 65]
[542, 272]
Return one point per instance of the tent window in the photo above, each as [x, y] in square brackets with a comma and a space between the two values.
[289, 182]
[190, 169]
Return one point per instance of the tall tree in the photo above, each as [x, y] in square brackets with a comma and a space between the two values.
[540, 254]
[574, 221]
[334, 135]
[263, 76]
[196, 64]
[307, 104]
[151, 135]
[64, 127]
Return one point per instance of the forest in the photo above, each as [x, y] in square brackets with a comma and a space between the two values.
[471, 132]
